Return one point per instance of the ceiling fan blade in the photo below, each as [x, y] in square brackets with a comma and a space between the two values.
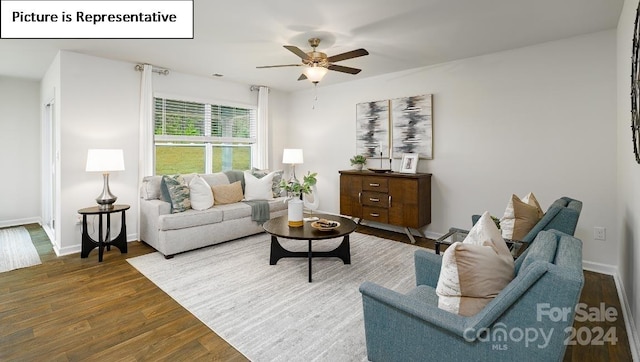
[297, 51]
[348, 55]
[343, 69]
[302, 77]
[279, 66]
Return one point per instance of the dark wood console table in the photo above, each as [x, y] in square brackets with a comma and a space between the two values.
[398, 199]
[104, 238]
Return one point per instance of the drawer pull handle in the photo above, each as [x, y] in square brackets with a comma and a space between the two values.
[389, 201]
[374, 214]
[374, 185]
[359, 197]
[374, 200]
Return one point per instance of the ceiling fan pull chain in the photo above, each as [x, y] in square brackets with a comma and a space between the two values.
[315, 95]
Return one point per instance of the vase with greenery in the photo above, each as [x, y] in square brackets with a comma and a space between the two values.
[294, 188]
[358, 161]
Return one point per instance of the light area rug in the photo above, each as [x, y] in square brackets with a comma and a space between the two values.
[271, 312]
[16, 249]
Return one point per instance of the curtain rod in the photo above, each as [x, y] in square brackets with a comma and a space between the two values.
[140, 67]
[257, 87]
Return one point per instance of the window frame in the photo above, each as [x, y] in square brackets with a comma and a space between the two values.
[208, 142]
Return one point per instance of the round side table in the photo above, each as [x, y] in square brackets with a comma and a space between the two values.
[104, 238]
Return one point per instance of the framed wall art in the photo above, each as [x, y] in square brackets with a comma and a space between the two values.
[412, 126]
[409, 163]
[372, 129]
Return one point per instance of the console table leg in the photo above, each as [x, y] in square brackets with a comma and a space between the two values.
[410, 235]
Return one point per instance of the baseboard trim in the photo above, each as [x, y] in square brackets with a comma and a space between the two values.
[18, 222]
[76, 249]
[600, 268]
[632, 332]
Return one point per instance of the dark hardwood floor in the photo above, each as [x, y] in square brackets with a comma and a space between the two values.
[73, 309]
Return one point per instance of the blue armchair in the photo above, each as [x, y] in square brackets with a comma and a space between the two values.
[527, 321]
[562, 215]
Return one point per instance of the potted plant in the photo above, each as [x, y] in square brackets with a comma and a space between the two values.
[358, 161]
[294, 190]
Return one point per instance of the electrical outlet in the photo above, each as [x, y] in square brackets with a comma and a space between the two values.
[78, 219]
[599, 233]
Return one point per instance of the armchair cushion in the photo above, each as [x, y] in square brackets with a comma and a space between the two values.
[474, 271]
[520, 216]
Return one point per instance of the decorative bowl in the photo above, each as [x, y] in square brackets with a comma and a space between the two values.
[325, 225]
[379, 170]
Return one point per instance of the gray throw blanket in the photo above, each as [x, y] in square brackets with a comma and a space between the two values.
[259, 208]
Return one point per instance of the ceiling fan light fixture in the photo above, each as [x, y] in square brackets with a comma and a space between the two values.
[315, 73]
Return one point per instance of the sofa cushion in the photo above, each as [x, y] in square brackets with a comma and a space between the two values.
[258, 188]
[190, 218]
[175, 188]
[150, 189]
[474, 271]
[215, 179]
[200, 194]
[520, 217]
[227, 194]
[277, 179]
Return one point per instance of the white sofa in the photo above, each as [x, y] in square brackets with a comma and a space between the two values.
[173, 233]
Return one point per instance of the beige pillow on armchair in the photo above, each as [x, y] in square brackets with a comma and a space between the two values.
[520, 217]
[474, 271]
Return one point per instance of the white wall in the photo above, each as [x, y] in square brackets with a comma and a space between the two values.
[50, 136]
[98, 109]
[628, 171]
[97, 100]
[532, 119]
[20, 149]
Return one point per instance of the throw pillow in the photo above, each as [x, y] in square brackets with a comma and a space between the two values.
[530, 199]
[258, 188]
[175, 188]
[150, 189]
[201, 194]
[520, 217]
[277, 178]
[227, 194]
[475, 270]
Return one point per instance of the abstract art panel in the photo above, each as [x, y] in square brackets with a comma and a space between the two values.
[372, 129]
[412, 126]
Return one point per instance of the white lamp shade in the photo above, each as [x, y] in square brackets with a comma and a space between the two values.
[292, 156]
[315, 73]
[105, 160]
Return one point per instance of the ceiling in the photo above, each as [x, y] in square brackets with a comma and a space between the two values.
[233, 37]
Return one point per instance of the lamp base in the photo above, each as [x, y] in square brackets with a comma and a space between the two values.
[106, 204]
[106, 199]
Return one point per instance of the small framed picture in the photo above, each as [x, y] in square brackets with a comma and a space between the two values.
[409, 163]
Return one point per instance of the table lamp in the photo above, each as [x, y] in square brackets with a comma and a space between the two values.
[292, 156]
[105, 161]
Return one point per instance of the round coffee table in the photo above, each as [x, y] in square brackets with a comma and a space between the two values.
[278, 227]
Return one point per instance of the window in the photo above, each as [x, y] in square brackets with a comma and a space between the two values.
[201, 137]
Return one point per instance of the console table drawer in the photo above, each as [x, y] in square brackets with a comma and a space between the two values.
[379, 184]
[375, 214]
[376, 199]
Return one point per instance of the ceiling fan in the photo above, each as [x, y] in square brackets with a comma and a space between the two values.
[318, 63]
